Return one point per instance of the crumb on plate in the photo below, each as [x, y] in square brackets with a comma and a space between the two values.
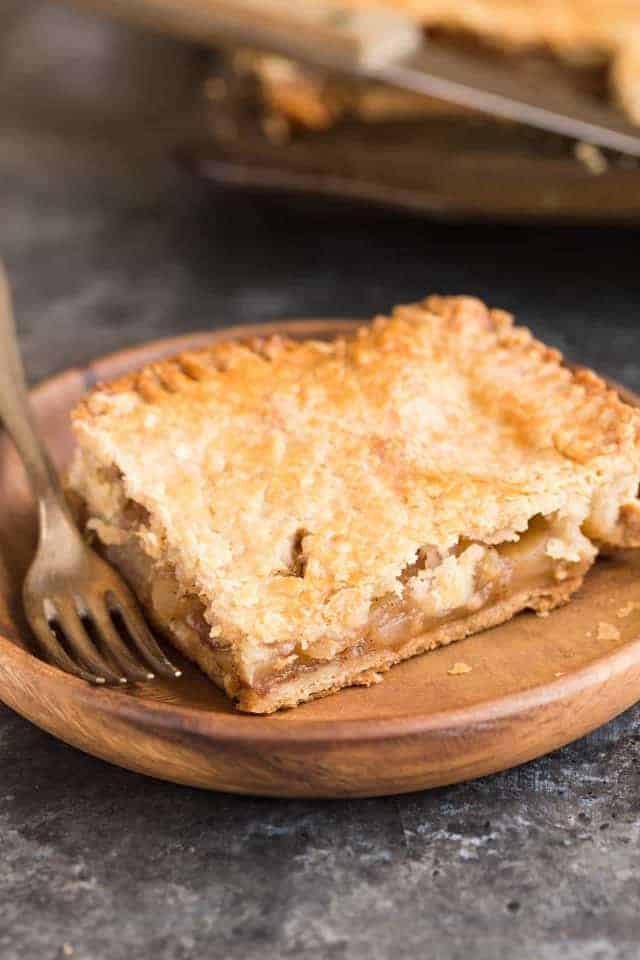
[607, 631]
[627, 609]
[459, 668]
[591, 157]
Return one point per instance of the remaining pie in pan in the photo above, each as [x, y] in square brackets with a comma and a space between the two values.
[299, 516]
[600, 34]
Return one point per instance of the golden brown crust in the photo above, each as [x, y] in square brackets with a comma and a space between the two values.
[581, 31]
[597, 421]
[291, 485]
[568, 26]
[462, 316]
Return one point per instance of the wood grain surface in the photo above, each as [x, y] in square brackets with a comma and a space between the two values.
[534, 684]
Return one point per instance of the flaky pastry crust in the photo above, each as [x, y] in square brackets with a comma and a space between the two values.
[292, 486]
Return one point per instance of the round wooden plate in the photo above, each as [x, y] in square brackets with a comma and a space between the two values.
[534, 685]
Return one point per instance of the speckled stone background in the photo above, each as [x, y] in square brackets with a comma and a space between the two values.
[108, 244]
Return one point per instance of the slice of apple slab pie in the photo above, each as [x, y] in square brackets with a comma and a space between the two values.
[298, 516]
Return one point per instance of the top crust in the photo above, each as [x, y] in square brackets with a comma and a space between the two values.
[564, 25]
[291, 484]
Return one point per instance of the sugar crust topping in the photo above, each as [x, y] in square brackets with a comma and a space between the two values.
[290, 483]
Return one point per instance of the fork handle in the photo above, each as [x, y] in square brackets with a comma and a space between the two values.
[15, 412]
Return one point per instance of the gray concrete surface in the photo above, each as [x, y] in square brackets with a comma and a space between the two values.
[109, 244]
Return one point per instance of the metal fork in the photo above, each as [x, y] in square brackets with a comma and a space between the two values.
[76, 604]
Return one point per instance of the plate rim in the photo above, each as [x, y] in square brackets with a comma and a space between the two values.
[236, 725]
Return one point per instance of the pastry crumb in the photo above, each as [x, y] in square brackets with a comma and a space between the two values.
[591, 157]
[607, 631]
[559, 673]
[368, 679]
[459, 668]
[627, 609]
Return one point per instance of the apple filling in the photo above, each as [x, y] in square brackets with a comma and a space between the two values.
[434, 590]
[473, 576]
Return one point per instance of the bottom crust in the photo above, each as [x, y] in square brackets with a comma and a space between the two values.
[364, 670]
[348, 670]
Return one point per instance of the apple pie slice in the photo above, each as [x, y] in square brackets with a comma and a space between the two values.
[298, 517]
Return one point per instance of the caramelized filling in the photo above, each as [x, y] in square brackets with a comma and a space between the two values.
[517, 567]
[472, 577]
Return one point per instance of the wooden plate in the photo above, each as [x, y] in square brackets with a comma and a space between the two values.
[535, 684]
